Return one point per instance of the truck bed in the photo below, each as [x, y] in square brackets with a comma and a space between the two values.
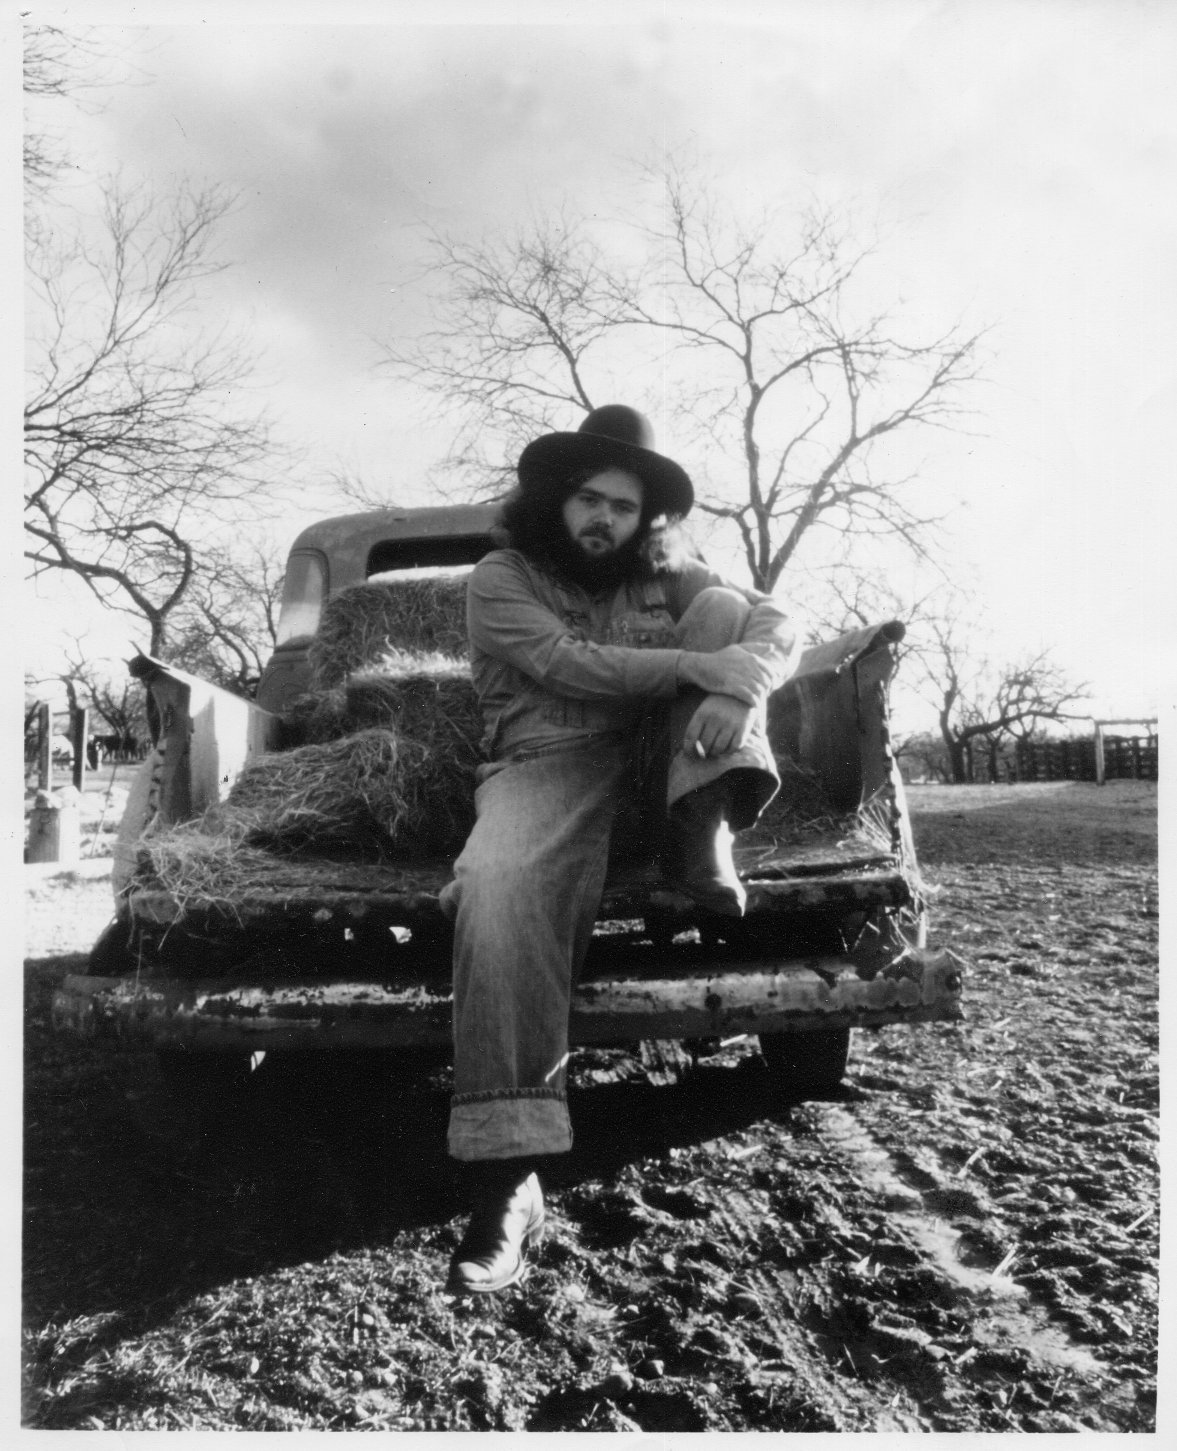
[341, 954]
[837, 868]
[300, 951]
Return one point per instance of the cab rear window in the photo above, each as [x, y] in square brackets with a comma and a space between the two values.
[452, 551]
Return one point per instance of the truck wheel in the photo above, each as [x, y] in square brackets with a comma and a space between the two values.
[807, 1065]
[111, 955]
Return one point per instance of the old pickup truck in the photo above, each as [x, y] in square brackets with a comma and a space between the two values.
[354, 954]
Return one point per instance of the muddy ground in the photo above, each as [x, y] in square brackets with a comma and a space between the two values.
[966, 1239]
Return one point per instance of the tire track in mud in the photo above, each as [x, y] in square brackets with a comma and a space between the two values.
[786, 1304]
[813, 1359]
[932, 1215]
[834, 1268]
[708, 1281]
[927, 1208]
[858, 1370]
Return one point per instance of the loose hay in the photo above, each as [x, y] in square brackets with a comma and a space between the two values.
[368, 622]
[373, 791]
[204, 861]
[428, 698]
[330, 791]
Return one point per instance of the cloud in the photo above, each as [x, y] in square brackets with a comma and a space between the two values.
[342, 141]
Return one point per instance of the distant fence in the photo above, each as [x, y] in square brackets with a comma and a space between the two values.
[1125, 758]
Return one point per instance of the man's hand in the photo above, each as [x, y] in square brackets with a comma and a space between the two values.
[730, 671]
[722, 724]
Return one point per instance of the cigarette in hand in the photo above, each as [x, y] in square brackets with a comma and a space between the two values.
[699, 751]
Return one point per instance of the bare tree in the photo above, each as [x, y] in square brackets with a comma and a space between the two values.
[850, 598]
[59, 66]
[56, 65]
[134, 439]
[516, 320]
[786, 388]
[228, 625]
[122, 704]
[106, 688]
[922, 754]
[978, 705]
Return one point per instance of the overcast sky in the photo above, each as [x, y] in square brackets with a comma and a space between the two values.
[1019, 157]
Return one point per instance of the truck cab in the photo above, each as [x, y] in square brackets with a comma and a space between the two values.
[336, 554]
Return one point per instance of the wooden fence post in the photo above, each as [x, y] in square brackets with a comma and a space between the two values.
[44, 747]
[79, 721]
[1125, 752]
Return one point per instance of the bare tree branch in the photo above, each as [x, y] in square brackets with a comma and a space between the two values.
[58, 65]
[749, 338]
[135, 442]
[118, 699]
[227, 627]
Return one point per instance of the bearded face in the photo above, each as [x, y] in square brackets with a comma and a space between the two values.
[602, 519]
[592, 531]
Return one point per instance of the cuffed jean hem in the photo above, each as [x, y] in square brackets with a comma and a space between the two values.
[752, 768]
[510, 1125]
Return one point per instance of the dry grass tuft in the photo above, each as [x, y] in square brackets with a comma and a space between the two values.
[801, 813]
[202, 861]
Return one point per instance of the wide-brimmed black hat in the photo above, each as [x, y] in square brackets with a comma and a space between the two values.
[611, 437]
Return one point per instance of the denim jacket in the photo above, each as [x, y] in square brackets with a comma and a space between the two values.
[554, 665]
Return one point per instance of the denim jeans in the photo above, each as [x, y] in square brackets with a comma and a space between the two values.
[527, 887]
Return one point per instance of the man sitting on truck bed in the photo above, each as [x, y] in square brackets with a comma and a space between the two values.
[603, 657]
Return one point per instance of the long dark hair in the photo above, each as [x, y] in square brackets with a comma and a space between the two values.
[534, 525]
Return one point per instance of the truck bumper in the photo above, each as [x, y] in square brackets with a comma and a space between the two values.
[301, 1014]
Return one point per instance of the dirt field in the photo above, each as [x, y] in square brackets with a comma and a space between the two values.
[965, 1241]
